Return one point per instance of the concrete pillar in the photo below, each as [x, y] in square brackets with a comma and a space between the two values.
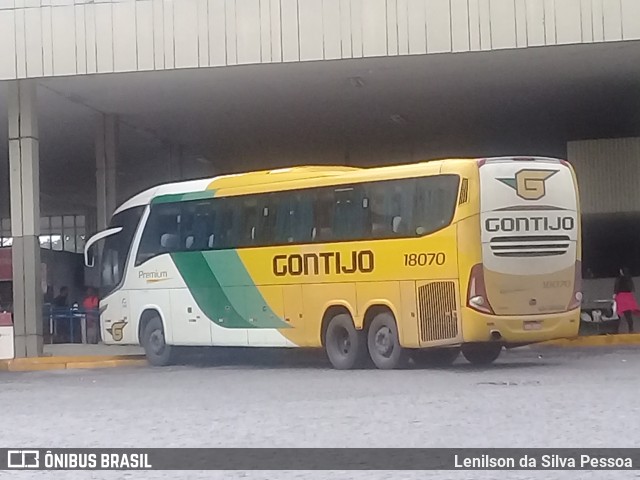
[24, 165]
[106, 162]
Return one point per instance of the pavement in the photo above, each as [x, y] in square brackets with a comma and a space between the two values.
[79, 356]
[532, 397]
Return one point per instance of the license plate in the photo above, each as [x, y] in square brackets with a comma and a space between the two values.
[533, 325]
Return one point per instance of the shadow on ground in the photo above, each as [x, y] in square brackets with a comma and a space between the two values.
[285, 358]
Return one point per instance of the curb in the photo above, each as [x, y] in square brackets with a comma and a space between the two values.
[594, 341]
[69, 362]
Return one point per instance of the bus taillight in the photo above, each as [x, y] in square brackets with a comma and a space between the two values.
[576, 297]
[477, 293]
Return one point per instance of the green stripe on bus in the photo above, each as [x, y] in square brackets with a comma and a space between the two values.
[206, 290]
[228, 307]
[239, 288]
[183, 197]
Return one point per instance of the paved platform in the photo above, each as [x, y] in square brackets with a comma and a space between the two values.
[621, 339]
[77, 356]
[72, 349]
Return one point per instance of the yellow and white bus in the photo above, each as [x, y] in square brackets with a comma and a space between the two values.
[374, 265]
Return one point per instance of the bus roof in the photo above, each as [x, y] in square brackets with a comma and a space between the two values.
[263, 177]
[250, 181]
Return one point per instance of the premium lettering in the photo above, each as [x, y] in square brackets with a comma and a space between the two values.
[325, 263]
[156, 275]
[529, 224]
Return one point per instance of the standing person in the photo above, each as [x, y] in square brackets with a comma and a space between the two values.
[90, 307]
[626, 304]
[62, 300]
[62, 315]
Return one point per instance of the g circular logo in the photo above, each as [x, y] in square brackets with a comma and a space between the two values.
[530, 184]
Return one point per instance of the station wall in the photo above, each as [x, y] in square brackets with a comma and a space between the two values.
[43, 38]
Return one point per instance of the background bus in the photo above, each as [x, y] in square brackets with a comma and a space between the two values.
[374, 265]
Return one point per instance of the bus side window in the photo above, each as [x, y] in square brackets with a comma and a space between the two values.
[381, 226]
[203, 227]
[434, 203]
[265, 222]
[322, 229]
[294, 218]
[284, 211]
[161, 233]
[187, 237]
[351, 214]
[234, 222]
[248, 221]
[406, 192]
[195, 225]
[222, 224]
[210, 213]
[303, 219]
[390, 213]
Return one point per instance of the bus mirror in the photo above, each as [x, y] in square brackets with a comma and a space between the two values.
[89, 253]
[89, 257]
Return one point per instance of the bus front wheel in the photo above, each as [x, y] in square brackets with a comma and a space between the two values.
[346, 347]
[156, 349]
[384, 343]
[481, 353]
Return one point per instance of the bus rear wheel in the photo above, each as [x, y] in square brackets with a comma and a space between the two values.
[384, 343]
[435, 357]
[158, 353]
[481, 353]
[346, 347]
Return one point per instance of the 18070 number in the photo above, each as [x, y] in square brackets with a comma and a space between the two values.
[424, 259]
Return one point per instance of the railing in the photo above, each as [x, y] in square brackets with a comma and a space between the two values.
[71, 324]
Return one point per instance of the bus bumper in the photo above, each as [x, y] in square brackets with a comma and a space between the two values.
[518, 330]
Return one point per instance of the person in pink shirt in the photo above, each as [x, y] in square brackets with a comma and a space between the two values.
[626, 304]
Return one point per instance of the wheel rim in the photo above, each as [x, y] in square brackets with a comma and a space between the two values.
[156, 342]
[343, 342]
[384, 342]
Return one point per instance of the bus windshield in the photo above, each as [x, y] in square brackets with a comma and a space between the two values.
[116, 248]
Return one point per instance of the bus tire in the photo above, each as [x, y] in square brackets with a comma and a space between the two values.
[158, 353]
[384, 343]
[481, 353]
[435, 357]
[346, 347]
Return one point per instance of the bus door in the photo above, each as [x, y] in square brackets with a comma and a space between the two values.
[115, 321]
[114, 303]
